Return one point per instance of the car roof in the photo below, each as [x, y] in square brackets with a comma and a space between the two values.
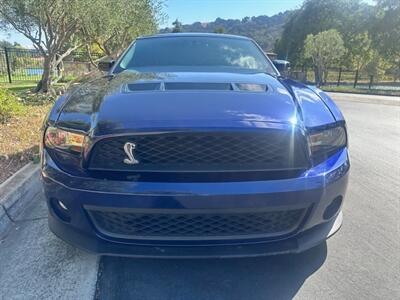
[193, 34]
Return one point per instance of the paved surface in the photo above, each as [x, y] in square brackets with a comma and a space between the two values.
[361, 262]
[34, 264]
[376, 99]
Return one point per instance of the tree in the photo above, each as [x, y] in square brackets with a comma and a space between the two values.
[360, 50]
[58, 27]
[17, 45]
[324, 49]
[219, 30]
[385, 32]
[112, 30]
[177, 26]
[5, 44]
[48, 24]
[349, 17]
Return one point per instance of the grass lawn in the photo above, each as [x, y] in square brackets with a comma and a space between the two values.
[20, 135]
[21, 86]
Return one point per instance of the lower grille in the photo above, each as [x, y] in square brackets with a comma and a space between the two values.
[127, 223]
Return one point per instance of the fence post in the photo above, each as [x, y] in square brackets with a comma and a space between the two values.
[371, 78]
[355, 79]
[305, 73]
[340, 76]
[8, 65]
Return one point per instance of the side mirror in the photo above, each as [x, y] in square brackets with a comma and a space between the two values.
[283, 66]
[105, 65]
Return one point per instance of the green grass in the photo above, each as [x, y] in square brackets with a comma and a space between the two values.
[350, 89]
[19, 86]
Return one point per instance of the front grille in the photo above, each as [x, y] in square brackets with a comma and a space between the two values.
[194, 151]
[131, 224]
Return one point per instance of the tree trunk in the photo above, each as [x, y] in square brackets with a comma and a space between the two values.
[397, 74]
[45, 82]
[57, 70]
[318, 75]
[326, 76]
[315, 74]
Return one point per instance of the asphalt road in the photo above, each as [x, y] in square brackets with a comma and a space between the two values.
[362, 261]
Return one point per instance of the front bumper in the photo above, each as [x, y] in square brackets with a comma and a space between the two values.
[317, 191]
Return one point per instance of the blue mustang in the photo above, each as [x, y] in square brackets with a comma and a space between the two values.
[193, 145]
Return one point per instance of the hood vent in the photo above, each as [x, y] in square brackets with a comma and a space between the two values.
[212, 86]
[144, 86]
[251, 87]
[195, 86]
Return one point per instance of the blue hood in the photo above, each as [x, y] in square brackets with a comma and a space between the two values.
[141, 102]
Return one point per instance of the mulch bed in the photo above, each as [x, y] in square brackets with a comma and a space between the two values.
[19, 139]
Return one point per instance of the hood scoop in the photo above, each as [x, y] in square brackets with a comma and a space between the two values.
[195, 86]
[208, 86]
[143, 86]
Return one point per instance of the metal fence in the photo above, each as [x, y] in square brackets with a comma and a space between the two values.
[350, 78]
[18, 64]
[27, 64]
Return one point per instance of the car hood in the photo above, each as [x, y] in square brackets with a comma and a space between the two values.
[132, 101]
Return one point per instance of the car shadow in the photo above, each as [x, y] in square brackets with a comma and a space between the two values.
[271, 277]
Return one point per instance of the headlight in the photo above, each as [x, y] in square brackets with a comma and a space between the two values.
[326, 142]
[64, 140]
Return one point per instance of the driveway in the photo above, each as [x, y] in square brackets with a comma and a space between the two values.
[362, 261]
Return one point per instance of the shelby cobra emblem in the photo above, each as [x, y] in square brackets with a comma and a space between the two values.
[129, 150]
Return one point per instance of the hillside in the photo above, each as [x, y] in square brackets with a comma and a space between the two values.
[265, 30]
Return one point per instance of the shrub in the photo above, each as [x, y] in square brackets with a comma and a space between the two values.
[9, 105]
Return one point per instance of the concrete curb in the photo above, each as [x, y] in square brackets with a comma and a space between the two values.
[16, 192]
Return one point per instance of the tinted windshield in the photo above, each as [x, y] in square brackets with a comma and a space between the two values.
[195, 53]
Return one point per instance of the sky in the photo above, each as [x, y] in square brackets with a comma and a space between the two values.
[190, 11]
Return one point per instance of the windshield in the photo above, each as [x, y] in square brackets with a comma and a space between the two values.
[194, 53]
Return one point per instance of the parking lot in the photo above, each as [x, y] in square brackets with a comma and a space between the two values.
[362, 261]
